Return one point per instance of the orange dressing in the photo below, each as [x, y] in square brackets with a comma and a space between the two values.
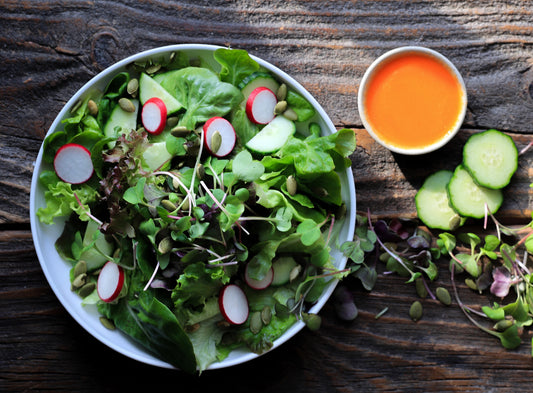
[413, 101]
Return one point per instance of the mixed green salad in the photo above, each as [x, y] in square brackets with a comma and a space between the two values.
[177, 224]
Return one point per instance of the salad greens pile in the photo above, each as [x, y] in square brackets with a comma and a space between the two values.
[184, 228]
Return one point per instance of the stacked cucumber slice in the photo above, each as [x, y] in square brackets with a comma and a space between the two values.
[446, 198]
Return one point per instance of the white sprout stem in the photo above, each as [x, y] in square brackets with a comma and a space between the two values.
[187, 191]
[530, 144]
[212, 261]
[100, 223]
[152, 278]
[200, 150]
[220, 205]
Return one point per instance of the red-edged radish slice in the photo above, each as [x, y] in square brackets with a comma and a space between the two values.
[222, 145]
[73, 163]
[233, 304]
[154, 115]
[110, 282]
[260, 105]
[259, 284]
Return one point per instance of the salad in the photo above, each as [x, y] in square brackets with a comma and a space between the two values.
[201, 205]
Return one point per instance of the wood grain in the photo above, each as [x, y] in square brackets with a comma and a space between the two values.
[49, 49]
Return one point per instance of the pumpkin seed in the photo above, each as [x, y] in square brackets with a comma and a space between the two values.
[280, 107]
[281, 93]
[503, 325]
[454, 222]
[92, 107]
[126, 105]
[216, 141]
[153, 68]
[80, 268]
[168, 205]
[165, 245]
[290, 114]
[421, 290]
[256, 324]
[87, 289]
[295, 272]
[471, 284]
[180, 131]
[108, 324]
[292, 185]
[200, 171]
[312, 321]
[192, 328]
[172, 121]
[79, 281]
[266, 315]
[133, 87]
[444, 296]
[223, 324]
[186, 204]
[415, 311]
[321, 192]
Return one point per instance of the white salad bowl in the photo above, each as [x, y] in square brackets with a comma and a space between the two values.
[56, 269]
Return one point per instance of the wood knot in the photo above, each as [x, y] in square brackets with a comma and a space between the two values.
[104, 48]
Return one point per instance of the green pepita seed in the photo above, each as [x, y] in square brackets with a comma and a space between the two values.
[415, 311]
[471, 284]
[321, 192]
[126, 105]
[165, 245]
[87, 289]
[200, 171]
[216, 141]
[280, 107]
[80, 268]
[292, 185]
[108, 324]
[503, 325]
[455, 222]
[290, 114]
[92, 107]
[312, 321]
[444, 296]
[295, 272]
[153, 68]
[256, 324]
[266, 315]
[168, 205]
[180, 131]
[172, 121]
[79, 281]
[421, 290]
[186, 204]
[281, 93]
[133, 87]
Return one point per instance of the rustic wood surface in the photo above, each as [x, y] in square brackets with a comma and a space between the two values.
[49, 49]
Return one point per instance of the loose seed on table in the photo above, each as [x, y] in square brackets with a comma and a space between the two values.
[415, 312]
[444, 296]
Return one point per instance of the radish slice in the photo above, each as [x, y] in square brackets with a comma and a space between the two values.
[223, 144]
[110, 282]
[259, 284]
[73, 163]
[154, 115]
[260, 105]
[233, 304]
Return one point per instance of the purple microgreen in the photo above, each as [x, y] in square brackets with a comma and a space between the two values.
[501, 282]
[87, 211]
[526, 148]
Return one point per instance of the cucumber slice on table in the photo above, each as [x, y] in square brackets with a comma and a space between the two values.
[433, 205]
[491, 157]
[468, 199]
[273, 136]
[255, 80]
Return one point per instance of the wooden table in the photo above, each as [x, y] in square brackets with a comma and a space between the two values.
[49, 49]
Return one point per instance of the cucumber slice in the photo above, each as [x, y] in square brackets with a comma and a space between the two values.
[96, 256]
[282, 270]
[433, 205]
[491, 157]
[149, 87]
[120, 122]
[155, 156]
[273, 136]
[468, 199]
[255, 80]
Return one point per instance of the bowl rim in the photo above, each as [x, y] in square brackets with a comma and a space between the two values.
[80, 314]
[389, 56]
